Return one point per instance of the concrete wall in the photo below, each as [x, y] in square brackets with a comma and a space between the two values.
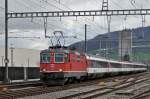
[125, 44]
[21, 73]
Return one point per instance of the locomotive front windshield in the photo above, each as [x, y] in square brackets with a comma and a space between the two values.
[59, 58]
[45, 58]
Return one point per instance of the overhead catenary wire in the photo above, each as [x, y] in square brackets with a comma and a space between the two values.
[130, 1]
[72, 10]
[48, 3]
[133, 3]
[44, 8]
[45, 0]
[32, 19]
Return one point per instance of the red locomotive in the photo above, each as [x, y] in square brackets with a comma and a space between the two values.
[60, 65]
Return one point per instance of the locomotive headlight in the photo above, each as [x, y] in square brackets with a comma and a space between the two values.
[60, 70]
[44, 69]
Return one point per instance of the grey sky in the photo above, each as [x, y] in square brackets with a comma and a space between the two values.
[34, 27]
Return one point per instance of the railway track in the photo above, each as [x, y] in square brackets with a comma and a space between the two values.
[31, 91]
[101, 91]
[143, 93]
[21, 84]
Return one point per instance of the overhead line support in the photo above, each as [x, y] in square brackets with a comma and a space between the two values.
[80, 13]
[6, 78]
[105, 5]
[85, 46]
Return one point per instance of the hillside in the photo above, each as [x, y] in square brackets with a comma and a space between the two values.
[141, 48]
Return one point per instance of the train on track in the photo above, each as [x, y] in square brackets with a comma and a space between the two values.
[60, 65]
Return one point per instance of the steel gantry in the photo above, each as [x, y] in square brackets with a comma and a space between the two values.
[79, 13]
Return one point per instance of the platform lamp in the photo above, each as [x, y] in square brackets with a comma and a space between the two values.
[12, 55]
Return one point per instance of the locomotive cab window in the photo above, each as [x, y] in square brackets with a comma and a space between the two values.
[45, 58]
[59, 58]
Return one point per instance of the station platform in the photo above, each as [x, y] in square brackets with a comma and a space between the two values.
[21, 81]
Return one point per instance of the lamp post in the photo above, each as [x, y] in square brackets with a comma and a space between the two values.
[12, 55]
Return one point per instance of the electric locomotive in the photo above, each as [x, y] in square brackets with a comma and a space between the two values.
[60, 65]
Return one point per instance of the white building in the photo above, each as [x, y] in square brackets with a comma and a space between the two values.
[21, 57]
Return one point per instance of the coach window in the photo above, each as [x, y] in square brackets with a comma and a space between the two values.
[66, 58]
[45, 58]
[48, 58]
[78, 58]
[42, 58]
[59, 58]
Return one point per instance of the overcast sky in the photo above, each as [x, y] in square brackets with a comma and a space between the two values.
[70, 26]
